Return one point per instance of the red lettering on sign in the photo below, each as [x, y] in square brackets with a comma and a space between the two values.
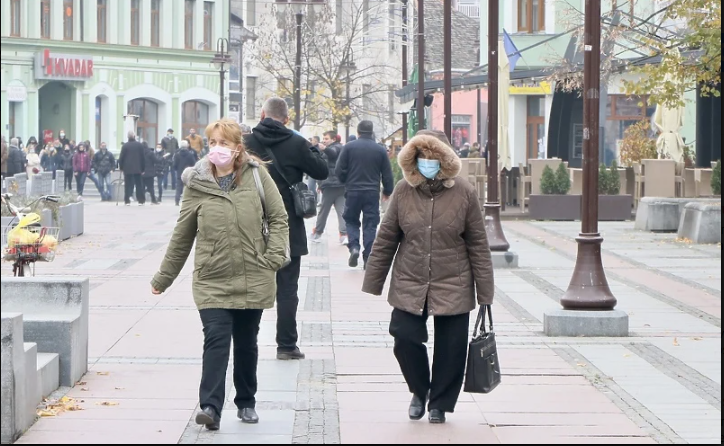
[90, 68]
[66, 66]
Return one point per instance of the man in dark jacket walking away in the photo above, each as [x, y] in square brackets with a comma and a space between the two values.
[16, 158]
[185, 157]
[132, 163]
[332, 190]
[171, 146]
[292, 157]
[163, 163]
[149, 174]
[361, 167]
[104, 163]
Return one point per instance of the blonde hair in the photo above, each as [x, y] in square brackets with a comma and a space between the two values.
[231, 132]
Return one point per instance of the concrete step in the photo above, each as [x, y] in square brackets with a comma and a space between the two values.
[30, 380]
[48, 373]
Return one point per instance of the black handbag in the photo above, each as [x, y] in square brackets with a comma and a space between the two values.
[305, 201]
[483, 371]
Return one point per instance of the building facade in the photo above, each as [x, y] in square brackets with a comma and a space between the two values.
[85, 65]
[549, 24]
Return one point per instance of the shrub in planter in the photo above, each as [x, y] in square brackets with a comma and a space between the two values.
[609, 180]
[716, 179]
[563, 179]
[555, 203]
[396, 170]
[548, 183]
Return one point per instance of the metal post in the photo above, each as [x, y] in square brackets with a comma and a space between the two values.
[480, 117]
[347, 118]
[420, 64]
[298, 76]
[404, 66]
[589, 288]
[447, 66]
[221, 94]
[496, 237]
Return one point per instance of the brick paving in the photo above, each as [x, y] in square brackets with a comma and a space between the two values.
[661, 385]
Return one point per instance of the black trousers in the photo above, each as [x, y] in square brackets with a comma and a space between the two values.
[448, 364]
[134, 181]
[220, 327]
[367, 205]
[287, 303]
[148, 185]
[159, 180]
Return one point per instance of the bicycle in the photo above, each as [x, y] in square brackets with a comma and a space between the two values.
[24, 240]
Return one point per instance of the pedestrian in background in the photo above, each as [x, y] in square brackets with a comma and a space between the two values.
[196, 142]
[185, 157]
[81, 167]
[104, 164]
[435, 234]
[235, 281]
[362, 166]
[163, 164]
[4, 158]
[67, 163]
[332, 190]
[132, 163]
[311, 182]
[170, 145]
[292, 158]
[149, 173]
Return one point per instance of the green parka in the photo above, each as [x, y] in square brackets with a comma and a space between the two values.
[234, 268]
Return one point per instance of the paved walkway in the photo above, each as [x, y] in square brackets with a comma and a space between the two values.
[662, 384]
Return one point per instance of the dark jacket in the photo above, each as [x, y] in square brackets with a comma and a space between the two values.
[47, 161]
[4, 167]
[163, 162]
[150, 171]
[170, 144]
[184, 158]
[64, 160]
[435, 233]
[296, 157]
[16, 161]
[363, 164]
[133, 158]
[104, 163]
[331, 155]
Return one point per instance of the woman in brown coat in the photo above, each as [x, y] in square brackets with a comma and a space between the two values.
[435, 233]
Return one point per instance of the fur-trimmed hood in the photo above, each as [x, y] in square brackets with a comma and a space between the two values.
[202, 171]
[433, 148]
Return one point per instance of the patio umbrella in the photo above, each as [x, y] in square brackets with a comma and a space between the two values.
[504, 161]
[668, 122]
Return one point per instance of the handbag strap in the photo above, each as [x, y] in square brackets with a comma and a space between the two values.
[480, 323]
[276, 165]
[260, 188]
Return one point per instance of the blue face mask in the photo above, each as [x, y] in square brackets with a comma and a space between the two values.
[428, 168]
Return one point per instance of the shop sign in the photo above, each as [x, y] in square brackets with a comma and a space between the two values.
[63, 67]
[536, 89]
[17, 93]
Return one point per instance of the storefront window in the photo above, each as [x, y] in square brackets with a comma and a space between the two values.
[147, 124]
[622, 112]
[195, 116]
[460, 130]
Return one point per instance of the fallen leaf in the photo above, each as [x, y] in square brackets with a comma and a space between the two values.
[107, 404]
[83, 389]
[81, 383]
[47, 413]
[103, 373]
[697, 338]
[580, 364]
[120, 388]
[627, 355]
[676, 342]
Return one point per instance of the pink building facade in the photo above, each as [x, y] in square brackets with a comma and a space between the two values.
[464, 115]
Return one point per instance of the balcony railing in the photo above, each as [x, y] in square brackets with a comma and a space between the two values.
[470, 10]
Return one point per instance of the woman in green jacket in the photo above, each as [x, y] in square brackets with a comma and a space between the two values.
[236, 260]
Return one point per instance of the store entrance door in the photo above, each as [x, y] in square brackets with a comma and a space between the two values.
[58, 109]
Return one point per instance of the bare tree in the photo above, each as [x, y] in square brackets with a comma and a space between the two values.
[336, 55]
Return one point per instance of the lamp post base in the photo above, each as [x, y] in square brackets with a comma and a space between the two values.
[589, 288]
[496, 236]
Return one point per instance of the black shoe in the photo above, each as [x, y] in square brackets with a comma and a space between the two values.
[437, 416]
[208, 417]
[354, 258]
[417, 408]
[248, 416]
[290, 355]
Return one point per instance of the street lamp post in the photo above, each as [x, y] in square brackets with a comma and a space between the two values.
[589, 288]
[347, 68]
[220, 60]
[496, 236]
[404, 66]
[298, 74]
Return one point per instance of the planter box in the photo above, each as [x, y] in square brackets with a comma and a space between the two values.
[555, 207]
[66, 222]
[78, 219]
[615, 207]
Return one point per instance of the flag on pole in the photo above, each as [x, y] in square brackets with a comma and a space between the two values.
[511, 50]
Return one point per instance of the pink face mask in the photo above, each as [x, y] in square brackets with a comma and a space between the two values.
[221, 156]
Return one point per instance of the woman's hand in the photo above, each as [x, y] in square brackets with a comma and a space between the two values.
[155, 291]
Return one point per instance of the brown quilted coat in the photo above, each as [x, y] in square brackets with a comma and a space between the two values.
[435, 234]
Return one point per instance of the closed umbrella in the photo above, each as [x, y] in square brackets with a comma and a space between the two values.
[669, 121]
[504, 161]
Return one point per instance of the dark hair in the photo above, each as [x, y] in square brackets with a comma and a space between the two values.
[332, 134]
